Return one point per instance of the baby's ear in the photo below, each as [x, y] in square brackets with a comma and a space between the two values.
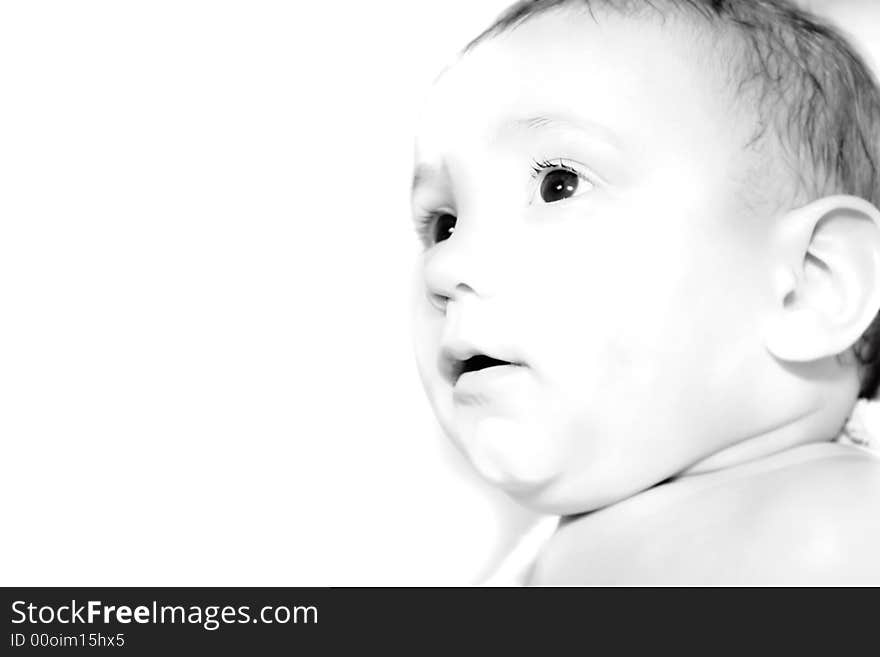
[827, 277]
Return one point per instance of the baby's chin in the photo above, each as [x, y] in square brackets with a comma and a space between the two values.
[516, 456]
[529, 461]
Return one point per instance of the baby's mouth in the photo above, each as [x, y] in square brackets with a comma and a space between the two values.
[476, 363]
[479, 362]
[459, 357]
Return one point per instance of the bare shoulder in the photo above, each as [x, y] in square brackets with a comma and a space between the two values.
[816, 522]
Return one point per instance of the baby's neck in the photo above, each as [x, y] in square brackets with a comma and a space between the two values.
[809, 427]
[681, 487]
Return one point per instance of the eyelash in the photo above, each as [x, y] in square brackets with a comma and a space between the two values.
[425, 221]
[540, 166]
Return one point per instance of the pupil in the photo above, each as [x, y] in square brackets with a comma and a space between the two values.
[444, 227]
[558, 184]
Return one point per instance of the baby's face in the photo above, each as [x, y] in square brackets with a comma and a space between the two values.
[602, 251]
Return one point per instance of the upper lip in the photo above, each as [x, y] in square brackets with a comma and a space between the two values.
[454, 354]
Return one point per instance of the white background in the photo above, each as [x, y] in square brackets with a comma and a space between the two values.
[206, 251]
[206, 371]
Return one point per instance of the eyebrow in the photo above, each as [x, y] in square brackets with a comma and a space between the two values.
[537, 124]
[527, 126]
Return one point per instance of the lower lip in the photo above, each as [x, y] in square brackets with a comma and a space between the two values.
[471, 384]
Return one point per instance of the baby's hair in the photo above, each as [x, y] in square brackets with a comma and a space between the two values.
[822, 100]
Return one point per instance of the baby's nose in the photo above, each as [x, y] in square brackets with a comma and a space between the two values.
[462, 266]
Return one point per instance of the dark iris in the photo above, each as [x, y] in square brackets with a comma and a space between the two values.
[444, 226]
[559, 184]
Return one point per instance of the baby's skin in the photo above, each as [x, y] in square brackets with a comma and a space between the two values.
[799, 517]
[628, 317]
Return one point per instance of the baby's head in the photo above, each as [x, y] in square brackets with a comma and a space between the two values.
[651, 242]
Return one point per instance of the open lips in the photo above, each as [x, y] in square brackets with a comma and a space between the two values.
[476, 363]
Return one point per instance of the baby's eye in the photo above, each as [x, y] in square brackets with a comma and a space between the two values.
[435, 227]
[444, 226]
[559, 181]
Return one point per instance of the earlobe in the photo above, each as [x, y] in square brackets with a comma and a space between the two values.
[826, 277]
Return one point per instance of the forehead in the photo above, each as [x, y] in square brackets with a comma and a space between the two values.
[631, 80]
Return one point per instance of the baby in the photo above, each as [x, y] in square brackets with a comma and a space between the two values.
[650, 273]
